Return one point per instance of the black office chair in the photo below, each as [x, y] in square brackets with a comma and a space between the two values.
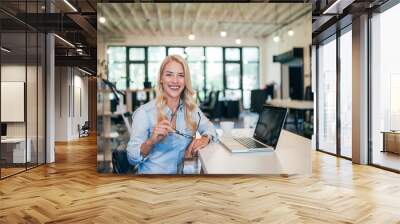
[257, 100]
[206, 102]
[213, 109]
[84, 130]
[120, 161]
[308, 94]
[270, 91]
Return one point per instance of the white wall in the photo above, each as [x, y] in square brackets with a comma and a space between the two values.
[67, 115]
[33, 126]
[301, 38]
[16, 73]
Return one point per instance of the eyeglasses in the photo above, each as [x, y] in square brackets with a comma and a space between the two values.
[186, 135]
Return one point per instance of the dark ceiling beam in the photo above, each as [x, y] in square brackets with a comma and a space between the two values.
[86, 26]
[49, 22]
[78, 61]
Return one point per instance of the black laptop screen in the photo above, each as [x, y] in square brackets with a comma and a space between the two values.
[270, 124]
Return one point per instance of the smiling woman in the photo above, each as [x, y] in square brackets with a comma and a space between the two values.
[163, 129]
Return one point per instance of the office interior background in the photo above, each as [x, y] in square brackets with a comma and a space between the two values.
[49, 75]
[39, 108]
[236, 64]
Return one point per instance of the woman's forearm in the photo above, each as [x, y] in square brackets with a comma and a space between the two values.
[146, 147]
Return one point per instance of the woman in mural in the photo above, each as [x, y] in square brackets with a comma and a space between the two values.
[164, 129]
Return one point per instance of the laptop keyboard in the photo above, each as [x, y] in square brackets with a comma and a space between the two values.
[249, 143]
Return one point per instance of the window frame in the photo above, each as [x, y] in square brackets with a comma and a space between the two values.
[224, 62]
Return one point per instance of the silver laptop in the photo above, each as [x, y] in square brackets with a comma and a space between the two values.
[266, 134]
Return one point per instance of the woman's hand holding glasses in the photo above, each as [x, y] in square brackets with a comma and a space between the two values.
[160, 131]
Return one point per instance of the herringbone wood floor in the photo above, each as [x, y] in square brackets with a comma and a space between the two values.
[70, 191]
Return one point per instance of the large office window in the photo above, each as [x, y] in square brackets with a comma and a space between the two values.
[232, 73]
[385, 88]
[346, 93]
[156, 55]
[327, 96]
[232, 70]
[137, 67]
[117, 72]
[250, 73]
[214, 68]
[196, 58]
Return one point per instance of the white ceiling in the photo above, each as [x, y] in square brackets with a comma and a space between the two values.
[253, 20]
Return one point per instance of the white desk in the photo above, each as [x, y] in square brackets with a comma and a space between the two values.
[19, 149]
[292, 156]
[292, 104]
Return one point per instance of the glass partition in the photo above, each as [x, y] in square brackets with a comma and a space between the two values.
[22, 69]
[31, 98]
[15, 151]
[41, 96]
[327, 96]
[346, 94]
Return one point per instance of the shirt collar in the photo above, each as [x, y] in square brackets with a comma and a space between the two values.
[180, 108]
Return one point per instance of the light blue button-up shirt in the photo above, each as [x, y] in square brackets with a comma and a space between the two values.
[166, 156]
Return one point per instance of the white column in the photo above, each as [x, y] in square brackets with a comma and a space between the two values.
[314, 91]
[360, 90]
[50, 100]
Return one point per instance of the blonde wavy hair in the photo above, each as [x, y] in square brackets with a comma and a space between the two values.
[187, 95]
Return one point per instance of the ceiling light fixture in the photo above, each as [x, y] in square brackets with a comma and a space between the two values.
[64, 40]
[223, 34]
[238, 41]
[70, 5]
[86, 72]
[337, 7]
[276, 38]
[191, 36]
[290, 32]
[5, 50]
[102, 19]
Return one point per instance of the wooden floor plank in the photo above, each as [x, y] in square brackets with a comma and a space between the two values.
[71, 191]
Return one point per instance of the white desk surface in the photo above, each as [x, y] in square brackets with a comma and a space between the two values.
[292, 156]
[292, 104]
[13, 140]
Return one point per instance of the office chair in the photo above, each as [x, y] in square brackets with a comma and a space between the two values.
[84, 130]
[120, 161]
[308, 94]
[213, 109]
[257, 100]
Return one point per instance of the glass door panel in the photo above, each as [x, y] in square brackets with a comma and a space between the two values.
[32, 99]
[14, 153]
[346, 94]
[385, 89]
[327, 97]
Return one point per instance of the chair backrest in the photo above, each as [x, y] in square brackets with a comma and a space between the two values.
[270, 91]
[257, 100]
[308, 94]
[214, 99]
[86, 125]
